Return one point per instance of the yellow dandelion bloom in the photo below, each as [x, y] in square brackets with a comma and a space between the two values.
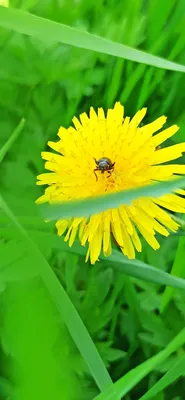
[109, 153]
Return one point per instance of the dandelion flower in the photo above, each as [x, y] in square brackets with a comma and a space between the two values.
[132, 157]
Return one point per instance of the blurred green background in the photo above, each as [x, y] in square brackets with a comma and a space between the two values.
[48, 83]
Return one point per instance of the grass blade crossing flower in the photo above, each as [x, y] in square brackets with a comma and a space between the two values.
[105, 154]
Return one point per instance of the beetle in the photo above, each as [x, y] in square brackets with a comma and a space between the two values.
[104, 164]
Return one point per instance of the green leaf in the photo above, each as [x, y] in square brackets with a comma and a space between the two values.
[11, 139]
[98, 204]
[178, 269]
[65, 307]
[48, 30]
[128, 381]
[174, 373]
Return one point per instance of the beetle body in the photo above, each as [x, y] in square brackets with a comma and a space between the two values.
[103, 164]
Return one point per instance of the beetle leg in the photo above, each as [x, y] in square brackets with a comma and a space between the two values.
[96, 169]
[95, 161]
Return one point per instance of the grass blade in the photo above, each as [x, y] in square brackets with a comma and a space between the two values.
[134, 268]
[42, 28]
[178, 269]
[174, 373]
[98, 204]
[146, 272]
[11, 139]
[128, 381]
[64, 305]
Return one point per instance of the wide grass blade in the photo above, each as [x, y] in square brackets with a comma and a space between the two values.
[37, 344]
[64, 305]
[11, 139]
[98, 204]
[42, 28]
[174, 373]
[128, 381]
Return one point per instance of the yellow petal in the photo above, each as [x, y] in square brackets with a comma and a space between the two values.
[62, 132]
[84, 119]
[51, 166]
[138, 117]
[116, 228]
[106, 232]
[118, 111]
[73, 236]
[169, 205]
[164, 135]
[95, 246]
[82, 228]
[62, 225]
[93, 115]
[151, 221]
[166, 171]
[125, 219]
[57, 146]
[162, 216]
[155, 125]
[169, 153]
[42, 199]
[77, 124]
[101, 114]
[94, 224]
[108, 252]
[136, 240]
[47, 178]
[127, 248]
[150, 239]
[87, 255]
[181, 191]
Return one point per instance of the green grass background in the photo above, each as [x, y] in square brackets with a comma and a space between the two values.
[68, 329]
